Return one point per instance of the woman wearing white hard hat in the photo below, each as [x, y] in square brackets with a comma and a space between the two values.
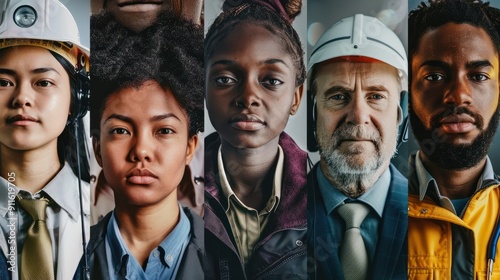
[43, 156]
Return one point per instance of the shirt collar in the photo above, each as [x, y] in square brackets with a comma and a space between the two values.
[171, 246]
[375, 197]
[276, 191]
[62, 189]
[425, 179]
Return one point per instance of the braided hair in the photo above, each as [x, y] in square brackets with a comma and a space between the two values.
[258, 14]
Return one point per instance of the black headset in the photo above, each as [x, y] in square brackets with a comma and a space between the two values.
[81, 106]
[312, 144]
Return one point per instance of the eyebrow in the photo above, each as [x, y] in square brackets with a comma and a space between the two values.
[270, 61]
[469, 65]
[35, 71]
[350, 90]
[129, 120]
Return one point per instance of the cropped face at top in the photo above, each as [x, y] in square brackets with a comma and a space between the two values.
[34, 98]
[136, 14]
[356, 115]
[143, 146]
[250, 86]
[455, 90]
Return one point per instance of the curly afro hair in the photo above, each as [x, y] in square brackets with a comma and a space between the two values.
[169, 52]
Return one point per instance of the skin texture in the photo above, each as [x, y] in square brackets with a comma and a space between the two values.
[242, 80]
[155, 139]
[33, 84]
[142, 129]
[356, 124]
[250, 94]
[136, 14]
[139, 16]
[454, 94]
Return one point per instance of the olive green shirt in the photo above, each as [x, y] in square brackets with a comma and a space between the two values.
[247, 223]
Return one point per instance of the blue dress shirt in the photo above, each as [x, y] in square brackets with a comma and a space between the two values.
[163, 262]
[375, 198]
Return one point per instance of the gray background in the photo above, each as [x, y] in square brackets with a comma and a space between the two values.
[80, 9]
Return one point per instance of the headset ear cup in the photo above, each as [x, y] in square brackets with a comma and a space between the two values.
[312, 144]
[403, 118]
[82, 102]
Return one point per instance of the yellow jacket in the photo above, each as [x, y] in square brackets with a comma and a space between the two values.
[430, 235]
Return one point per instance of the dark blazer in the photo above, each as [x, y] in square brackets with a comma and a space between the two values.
[191, 266]
[391, 253]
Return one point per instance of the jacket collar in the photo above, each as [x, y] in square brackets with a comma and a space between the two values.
[293, 196]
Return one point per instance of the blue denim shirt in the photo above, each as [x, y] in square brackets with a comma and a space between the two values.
[163, 262]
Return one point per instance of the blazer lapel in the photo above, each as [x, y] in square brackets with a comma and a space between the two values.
[391, 250]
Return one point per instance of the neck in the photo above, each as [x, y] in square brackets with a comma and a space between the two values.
[454, 184]
[250, 172]
[33, 169]
[144, 228]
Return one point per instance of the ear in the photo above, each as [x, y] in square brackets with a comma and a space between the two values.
[191, 148]
[97, 149]
[297, 96]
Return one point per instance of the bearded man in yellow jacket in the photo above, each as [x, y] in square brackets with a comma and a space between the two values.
[454, 198]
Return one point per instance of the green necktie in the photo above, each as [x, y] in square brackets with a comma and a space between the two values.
[36, 258]
[353, 255]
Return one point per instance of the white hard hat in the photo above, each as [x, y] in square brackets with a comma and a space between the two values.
[360, 35]
[43, 23]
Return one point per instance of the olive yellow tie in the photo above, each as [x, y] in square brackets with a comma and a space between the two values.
[36, 258]
[353, 255]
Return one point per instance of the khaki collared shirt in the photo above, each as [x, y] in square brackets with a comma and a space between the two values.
[247, 223]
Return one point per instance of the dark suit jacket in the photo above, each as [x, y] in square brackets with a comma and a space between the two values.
[191, 266]
[391, 253]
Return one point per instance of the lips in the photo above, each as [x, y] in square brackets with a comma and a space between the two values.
[141, 176]
[457, 123]
[21, 120]
[138, 2]
[247, 122]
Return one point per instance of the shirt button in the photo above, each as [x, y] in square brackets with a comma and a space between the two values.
[170, 258]
[156, 254]
[299, 243]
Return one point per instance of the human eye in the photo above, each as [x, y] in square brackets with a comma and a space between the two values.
[376, 96]
[479, 77]
[5, 83]
[44, 83]
[434, 77]
[338, 97]
[119, 130]
[165, 131]
[272, 82]
[225, 80]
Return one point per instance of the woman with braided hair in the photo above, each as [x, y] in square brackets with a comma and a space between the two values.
[255, 174]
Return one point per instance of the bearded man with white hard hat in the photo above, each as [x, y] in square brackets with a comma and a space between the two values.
[357, 199]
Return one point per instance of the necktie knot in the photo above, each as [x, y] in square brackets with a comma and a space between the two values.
[35, 208]
[353, 214]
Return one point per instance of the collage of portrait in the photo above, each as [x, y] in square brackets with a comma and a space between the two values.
[249, 139]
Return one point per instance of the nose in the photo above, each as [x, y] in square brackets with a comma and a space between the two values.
[459, 92]
[23, 96]
[142, 148]
[358, 109]
[249, 95]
